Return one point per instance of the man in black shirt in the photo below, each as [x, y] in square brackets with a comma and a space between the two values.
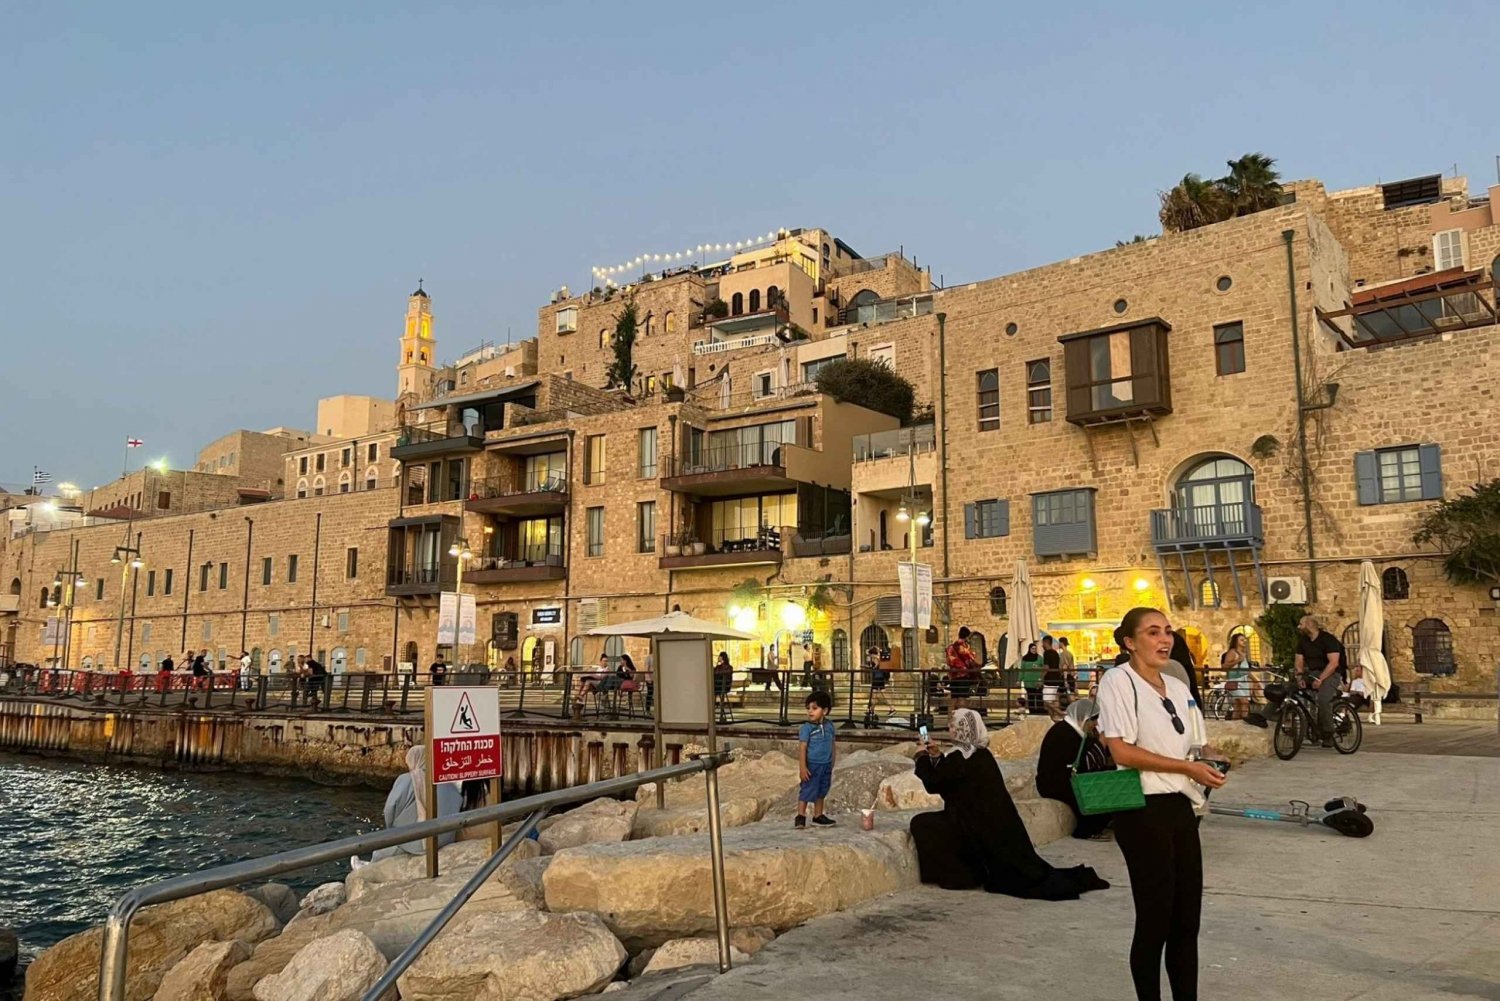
[1320, 660]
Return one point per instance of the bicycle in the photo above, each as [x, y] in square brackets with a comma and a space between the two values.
[1297, 712]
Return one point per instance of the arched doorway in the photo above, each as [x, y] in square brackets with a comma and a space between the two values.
[273, 662]
[873, 638]
[409, 655]
[340, 660]
[1213, 495]
[531, 656]
[979, 645]
[575, 651]
[839, 648]
[1253, 642]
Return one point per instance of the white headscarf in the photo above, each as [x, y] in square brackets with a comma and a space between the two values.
[966, 727]
[1081, 712]
[416, 767]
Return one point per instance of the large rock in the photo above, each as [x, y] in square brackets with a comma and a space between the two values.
[1239, 741]
[906, 792]
[764, 779]
[1046, 819]
[1020, 776]
[659, 889]
[675, 821]
[203, 974]
[601, 820]
[1022, 739]
[10, 951]
[523, 954]
[160, 937]
[462, 856]
[855, 787]
[280, 898]
[324, 898]
[699, 951]
[272, 955]
[340, 967]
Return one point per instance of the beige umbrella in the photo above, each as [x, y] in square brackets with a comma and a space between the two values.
[673, 623]
[1024, 627]
[1376, 673]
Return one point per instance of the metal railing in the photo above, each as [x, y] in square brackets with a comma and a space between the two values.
[519, 557]
[885, 444]
[115, 949]
[517, 483]
[421, 575]
[1236, 521]
[726, 458]
[713, 347]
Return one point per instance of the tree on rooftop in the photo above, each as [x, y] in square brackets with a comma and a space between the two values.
[622, 370]
[1193, 202]
[1252, 183]
[871, 384]
[1467, 528]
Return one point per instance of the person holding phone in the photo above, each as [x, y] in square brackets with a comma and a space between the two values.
[1151, 723]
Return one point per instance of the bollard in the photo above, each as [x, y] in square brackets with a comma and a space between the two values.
[595, 761]
[620, 759]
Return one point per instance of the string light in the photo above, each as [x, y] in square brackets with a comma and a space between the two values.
[698, 251]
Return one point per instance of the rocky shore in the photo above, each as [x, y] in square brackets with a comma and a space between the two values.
[609, 893]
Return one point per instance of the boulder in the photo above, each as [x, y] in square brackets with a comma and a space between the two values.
[522, 954]
[461, 856]
[160, 937]
[856, 785]
[322, 899]
[10, 951]
[280, 898]
[1046, 819]
[751, 940]
[638, 963]
[653, 823]
[1020, 776]
[699, 951]
[272, 955]
[601, 820]
[764, 779]
[339, 967]
[905, 791]
[659, 889]
[1022, 739]
[1239, 741]
[203, 973]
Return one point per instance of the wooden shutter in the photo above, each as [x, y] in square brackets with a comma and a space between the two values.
[1076, 377]
[971, 522]
[1002, 517]
[1430, 457]
[1367, 477]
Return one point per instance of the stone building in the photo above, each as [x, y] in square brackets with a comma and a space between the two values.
[1209, 422]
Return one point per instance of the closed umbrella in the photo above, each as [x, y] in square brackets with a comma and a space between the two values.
[1377, 673]
[1024, 627]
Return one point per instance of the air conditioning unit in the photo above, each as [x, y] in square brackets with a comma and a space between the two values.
[1287, 590]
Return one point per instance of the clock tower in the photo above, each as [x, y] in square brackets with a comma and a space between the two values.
[417, 371]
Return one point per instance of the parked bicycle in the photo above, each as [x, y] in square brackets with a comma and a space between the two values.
[1294, 707]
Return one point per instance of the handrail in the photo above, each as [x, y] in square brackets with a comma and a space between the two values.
[116, 942]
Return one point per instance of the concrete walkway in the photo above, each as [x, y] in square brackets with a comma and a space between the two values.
[1411, 913]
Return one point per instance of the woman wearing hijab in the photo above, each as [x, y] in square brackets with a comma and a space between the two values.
[978, 839]
[1031, 678]
[1054, 763]
[407, 804]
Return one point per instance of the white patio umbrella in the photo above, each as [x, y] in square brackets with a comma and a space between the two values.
[1024, 627]
[679, 623]
[1377, 673]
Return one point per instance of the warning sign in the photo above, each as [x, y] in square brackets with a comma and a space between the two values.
[465, 733]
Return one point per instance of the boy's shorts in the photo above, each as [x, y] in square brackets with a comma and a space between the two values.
[819, 779]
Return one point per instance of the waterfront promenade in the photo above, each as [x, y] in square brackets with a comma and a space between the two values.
[1410, 913]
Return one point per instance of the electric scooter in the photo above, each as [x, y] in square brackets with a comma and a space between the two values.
[1346, 815]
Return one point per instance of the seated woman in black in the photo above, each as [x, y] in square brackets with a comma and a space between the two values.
[1055, 760]
[978, 838]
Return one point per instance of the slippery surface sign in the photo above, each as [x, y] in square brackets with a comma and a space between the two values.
[465, 733]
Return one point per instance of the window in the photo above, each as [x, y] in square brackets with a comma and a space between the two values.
[593, 459]
[166, 584]
[372, 452]
[321, 463]
[344, 483]
[343, 622]
[548, 471]
[762, 384]
[301, 489]
[885, 354]
[595, 522]
[1213, 499]
[567, 320]
[265, 571]
[203, 573]
[1448, 249]
[346, 457]
[1208, 593]
[645, 522]
[736, 304]
[810, 369]
[208, 630]
[1394, 475]
[150, 583]
[1117, 372]
[273, 624]
[1393, 584]
[223, 576]
[1229, 348]
[989, 399]
[755, 300]
[351, 562]
[163, 500]
[648, 324]
[669, 323]
[372, 480]
[1252, 641]
[1039, 391]
[646, 452]
[1432, 647]
[1063, 523]
[986, 519]
[997, 601]
[302, 466]
[291, 569]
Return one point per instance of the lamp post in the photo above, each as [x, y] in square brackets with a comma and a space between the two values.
[127, 558]
[915, 519]
[461, 552]
[66, 581]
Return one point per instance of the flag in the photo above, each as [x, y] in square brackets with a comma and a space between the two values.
[38, 477]
[133, 443]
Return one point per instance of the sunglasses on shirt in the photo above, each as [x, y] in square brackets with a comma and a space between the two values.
[1177, 723]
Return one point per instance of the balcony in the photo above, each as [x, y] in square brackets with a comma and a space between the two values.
[529, 563]
[723, 548]
[422, 442]
[900, 441]
[1214, 526]
[1425, 306]
[764, 467]
[407, 579]
[1118, 373]
[519, 495]
[10, 603]
[713, 347]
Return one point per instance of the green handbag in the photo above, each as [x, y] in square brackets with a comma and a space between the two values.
[1107, 792]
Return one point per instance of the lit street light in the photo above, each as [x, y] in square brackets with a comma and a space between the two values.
[127, 558]
[461, 552]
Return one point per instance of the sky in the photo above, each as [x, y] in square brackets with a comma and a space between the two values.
[213, 213]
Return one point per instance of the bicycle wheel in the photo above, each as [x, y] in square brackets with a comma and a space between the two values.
[1218, 705]
[1290, 730]
[1348, 731]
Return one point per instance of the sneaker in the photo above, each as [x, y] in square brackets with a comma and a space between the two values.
[800, 823]
[823, 820]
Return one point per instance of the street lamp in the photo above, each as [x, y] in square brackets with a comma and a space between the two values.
[66, 581]
[461, 552]
[916, 519]
[127, 558]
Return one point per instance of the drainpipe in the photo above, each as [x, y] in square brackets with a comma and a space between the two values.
[312, 615]
[1307, 517]
[135, 585]
[942, 461]
[245, 595]
[187, 590]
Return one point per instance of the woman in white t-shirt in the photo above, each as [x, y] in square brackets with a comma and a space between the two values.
[1151, 723]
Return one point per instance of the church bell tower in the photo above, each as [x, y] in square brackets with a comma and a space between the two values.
[417, 371]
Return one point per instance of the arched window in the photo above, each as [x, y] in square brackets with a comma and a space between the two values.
[1432, 647]
[1393, 584]
[839, 642]
[736, 304]
[301, 488]
[873, 638]
[1208, 593]
[614, 647]
[45, 598]
[15, 585]
[604, 337]
[1212, 498]
[409, 653]
[1252, 641]
[997, 601]
[979, 645]
[755, 300]
[372, 480]
[575, 652]
[646, 327]
[346, 482]
[773, 297]
[669, 323]
[319, 485]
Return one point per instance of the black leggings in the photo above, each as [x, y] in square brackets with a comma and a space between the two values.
[1165, 861]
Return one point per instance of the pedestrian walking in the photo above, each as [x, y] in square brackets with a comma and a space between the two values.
[963, 669]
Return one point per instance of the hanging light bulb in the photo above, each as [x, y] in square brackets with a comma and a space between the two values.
[902, 514]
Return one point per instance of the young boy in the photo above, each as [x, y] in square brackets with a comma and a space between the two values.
[816, 754]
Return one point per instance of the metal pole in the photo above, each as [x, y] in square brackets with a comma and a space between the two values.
[431, 847]
[715, 829]
[1306, 464]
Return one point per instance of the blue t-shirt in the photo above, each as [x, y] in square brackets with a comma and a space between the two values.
[819, 740]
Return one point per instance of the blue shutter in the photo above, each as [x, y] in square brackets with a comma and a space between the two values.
[971, 519]
[1002, 517]
[1367, 477]
[1430, 457]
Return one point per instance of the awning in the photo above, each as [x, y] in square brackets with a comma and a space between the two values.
[487, 396]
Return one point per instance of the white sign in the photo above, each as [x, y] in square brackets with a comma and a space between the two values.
[52, 631]
[466, 620]
[456, 614]
[923, 594]
[465, 733]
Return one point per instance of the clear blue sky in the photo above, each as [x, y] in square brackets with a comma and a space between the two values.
[212, 216]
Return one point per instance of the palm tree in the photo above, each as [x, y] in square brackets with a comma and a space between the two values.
[1252, 184]
[1192, 203]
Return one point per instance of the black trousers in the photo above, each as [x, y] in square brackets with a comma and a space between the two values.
[1165, 861]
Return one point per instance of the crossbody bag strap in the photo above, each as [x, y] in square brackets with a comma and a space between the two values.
[1083, 745]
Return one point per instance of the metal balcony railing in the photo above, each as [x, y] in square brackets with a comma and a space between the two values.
[726, 458]
[524, 556]
[511, 484]
[884, 444]
[420, 575]
[1212, 524]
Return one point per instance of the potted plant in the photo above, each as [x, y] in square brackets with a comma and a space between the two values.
[693, 547]
[674, 545]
